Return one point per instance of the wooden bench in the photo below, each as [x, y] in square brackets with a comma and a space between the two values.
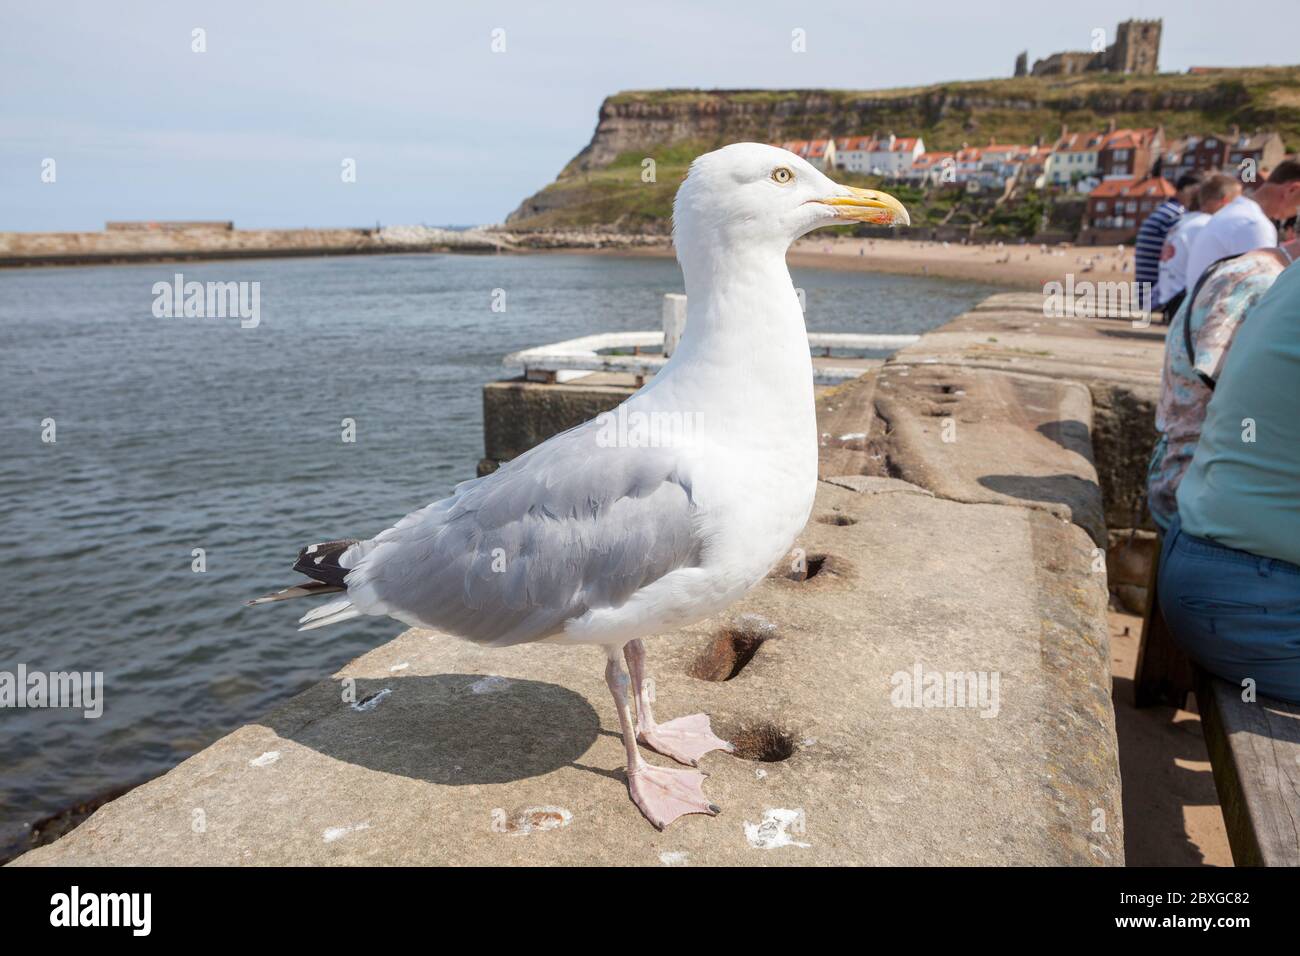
[1254, 746]
[1255, 753]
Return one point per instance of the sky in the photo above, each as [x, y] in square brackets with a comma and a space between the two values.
[442, 129]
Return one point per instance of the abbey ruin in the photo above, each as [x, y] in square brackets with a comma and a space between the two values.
[1136, 50]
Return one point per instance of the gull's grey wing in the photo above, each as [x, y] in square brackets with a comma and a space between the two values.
[510, 557]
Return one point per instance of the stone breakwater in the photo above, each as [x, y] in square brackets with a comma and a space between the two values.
[926, 680]
[164, 245]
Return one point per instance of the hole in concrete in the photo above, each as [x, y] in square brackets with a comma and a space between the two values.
[805, 567]
[726, 655]
[840, 521]
[765, 742]
[800, 567]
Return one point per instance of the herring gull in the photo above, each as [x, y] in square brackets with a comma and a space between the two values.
[655, 517]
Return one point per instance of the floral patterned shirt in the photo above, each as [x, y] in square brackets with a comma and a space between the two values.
[1219, 308]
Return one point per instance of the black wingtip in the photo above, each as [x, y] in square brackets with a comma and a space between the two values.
[321, 562]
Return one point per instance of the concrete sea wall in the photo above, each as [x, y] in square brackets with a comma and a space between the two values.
[200, 241]
[925, 681]
[203, 242]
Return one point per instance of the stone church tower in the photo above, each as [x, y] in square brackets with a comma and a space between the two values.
[1136, 48]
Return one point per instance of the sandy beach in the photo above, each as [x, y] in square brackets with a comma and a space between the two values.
[1010, 266]
[1027, 267]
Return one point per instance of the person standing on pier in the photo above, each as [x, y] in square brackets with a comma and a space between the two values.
[1151, 238]
[1215, 192]
[1248, 222]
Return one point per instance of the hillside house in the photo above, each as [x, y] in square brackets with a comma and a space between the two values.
[1229, 152]
[1072, 158]
[1119, 205]
[853, 153]
[1129, 153]
[1029, 163]
[878, 155]
[1264, 150]
[1193, 153]
[932, 169]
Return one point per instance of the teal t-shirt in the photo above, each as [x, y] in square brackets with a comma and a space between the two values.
[1242, 488]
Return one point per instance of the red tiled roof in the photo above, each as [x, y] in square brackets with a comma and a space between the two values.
[1156, 186]
[854, 144]
[1129, 138]
[870, 144]
[930, 159]
[807, 148]
[1078, 142]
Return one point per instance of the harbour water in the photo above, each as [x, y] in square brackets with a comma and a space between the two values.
[192, 457]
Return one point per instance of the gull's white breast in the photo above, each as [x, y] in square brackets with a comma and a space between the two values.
[752, 470]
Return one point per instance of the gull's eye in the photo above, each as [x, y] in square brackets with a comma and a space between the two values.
[782, 175]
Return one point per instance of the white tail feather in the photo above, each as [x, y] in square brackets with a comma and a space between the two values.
[332, 613]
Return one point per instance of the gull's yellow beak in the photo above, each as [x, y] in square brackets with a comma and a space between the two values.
[869, 205]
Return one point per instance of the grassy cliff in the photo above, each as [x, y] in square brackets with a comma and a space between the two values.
[603, 184]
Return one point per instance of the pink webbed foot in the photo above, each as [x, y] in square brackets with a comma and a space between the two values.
[663, 794]
[685, 739]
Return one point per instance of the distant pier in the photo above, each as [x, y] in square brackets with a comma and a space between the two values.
[124, 242]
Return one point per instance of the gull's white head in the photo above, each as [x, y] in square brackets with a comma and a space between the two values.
[749, 194]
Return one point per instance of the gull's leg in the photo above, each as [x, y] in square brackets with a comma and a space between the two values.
[685, 739]
[661, 793]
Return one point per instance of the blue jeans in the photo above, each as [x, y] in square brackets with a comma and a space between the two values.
[1234, 613]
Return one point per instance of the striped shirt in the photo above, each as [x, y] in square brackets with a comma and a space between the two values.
[1150, 242]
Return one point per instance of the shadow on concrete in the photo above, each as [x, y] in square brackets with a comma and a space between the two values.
[1156, 333]
[1071, 434]
[1166, 775]
[1071, 490]
[451, 729]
